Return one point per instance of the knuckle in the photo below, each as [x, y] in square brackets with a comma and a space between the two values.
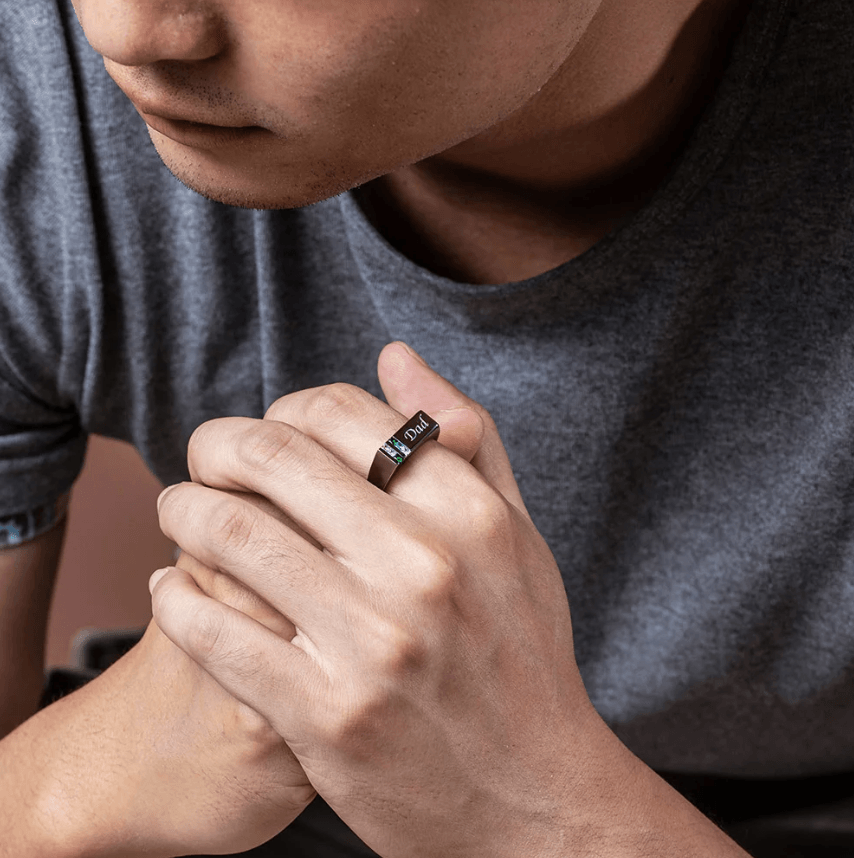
[356, 726]
[437, 586]
[197, 440]
[206, 634]
[488, 516]
[436, 574]
[231, 526]
[398, 652]
[212, 638]
[204, 440]
[266, 446]
[278, 409]
[253, 726]
[335, 403]
[338, 731]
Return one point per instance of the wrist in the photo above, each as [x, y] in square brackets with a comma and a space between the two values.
[610, 804]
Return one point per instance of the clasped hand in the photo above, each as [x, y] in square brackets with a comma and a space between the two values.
[425, 679]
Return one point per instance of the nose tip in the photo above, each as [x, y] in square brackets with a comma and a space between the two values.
[147, 31]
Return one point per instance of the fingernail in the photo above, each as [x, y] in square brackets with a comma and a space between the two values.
[163, 494]
[414, 353]
[152, 581]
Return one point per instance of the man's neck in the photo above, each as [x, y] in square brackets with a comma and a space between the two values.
[584, 154]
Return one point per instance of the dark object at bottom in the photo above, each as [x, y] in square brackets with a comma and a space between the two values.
[59, 681]
[810, 817]
[93, 651]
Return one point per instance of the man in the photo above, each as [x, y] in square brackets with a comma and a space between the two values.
[619, 228]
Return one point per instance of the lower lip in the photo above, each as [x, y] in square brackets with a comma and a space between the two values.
[199, 136]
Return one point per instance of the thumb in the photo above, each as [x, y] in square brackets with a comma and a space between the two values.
[410, 385]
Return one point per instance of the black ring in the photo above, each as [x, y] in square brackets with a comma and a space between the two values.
[400, 447]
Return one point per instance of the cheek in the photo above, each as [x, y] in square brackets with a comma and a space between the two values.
[323, 69]
[424, 78]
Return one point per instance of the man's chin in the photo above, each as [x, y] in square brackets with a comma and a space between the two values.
[241, 189]
[246, 199]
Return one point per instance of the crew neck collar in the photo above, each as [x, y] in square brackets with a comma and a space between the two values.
[714, 133]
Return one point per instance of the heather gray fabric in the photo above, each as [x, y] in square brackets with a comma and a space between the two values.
[678, 402]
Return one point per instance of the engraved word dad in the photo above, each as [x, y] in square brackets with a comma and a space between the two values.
[412, 432]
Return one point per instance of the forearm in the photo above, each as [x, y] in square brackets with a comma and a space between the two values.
[21, 773]
[67, 782]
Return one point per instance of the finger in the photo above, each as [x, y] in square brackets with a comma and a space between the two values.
[409, 384]
[461, 429]
[276, 678]
[349, 425]
[226, 588]
[271, 509]
[303, 584]
[352, 424]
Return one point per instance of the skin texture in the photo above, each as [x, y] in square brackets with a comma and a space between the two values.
[514, 134]
[423, 640]
[430, 692]
[182, 766]
[155, 758]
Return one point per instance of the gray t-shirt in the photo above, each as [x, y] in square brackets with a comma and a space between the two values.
[677, 403]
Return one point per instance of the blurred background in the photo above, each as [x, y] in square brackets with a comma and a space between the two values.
[112, 546]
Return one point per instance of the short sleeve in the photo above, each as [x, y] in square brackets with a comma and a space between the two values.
[28, 524]
[42, 450]
[43, 320]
